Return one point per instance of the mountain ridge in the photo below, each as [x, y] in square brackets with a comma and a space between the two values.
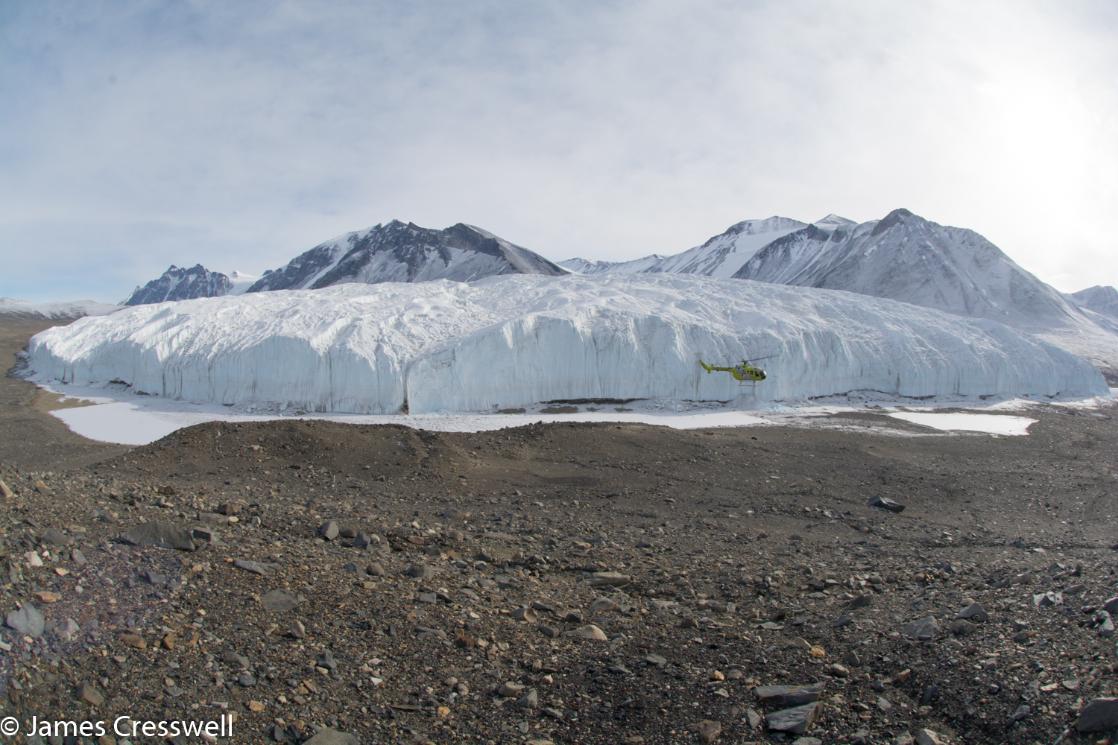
[181, 283]
[719, 256]
[405, 252]
[908, 258]
[1099, 298]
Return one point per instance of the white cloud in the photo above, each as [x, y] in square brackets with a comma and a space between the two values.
[238, 134]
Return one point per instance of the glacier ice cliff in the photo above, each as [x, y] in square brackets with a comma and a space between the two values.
[517, 340]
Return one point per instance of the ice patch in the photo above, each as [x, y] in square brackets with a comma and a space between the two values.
[993, 424]
[137, 423]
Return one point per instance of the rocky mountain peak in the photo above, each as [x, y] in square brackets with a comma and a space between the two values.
[181, 283]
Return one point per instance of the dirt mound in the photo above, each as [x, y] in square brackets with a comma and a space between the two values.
[216, 447]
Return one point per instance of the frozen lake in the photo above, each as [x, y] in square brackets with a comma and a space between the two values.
[125, 418]
[131, 423]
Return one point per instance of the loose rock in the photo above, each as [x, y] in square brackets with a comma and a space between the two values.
[90, 695]
[786, 696]
[709, 730]
[419, 571]
[162, 535]
[26, 620]
[974, 613]
[928, 737]
[884, 503]
[922, 629]
[1101, 715]
[327, 736]
[795, 720]
[589, 632]
[610, 579]
[251, 566]
[278, 600]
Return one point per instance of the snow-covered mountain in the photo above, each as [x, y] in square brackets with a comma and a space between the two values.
[903, 257]
[1100, 299]
[240, 282]
[720, 256]
[405, 252]
[907, 258]
[725, 253]
[589, 267]
[182, 283]
[517, 340]
[64, 309]
[833, 222]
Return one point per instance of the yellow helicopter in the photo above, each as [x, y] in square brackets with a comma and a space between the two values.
[747, 373]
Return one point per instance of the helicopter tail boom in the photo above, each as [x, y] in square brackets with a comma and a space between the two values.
[714, 368]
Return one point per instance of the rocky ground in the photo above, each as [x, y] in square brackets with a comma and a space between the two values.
[27, 437]
[577, 583]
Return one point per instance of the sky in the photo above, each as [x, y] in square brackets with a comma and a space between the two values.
[134, 135]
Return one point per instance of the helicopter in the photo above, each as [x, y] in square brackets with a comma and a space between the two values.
[746, 373]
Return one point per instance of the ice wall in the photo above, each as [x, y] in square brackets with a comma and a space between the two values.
[517, 340]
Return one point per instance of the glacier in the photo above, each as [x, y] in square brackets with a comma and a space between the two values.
[55, 310]
[517, 340]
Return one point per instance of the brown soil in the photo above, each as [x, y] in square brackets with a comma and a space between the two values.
[28, 437]
[743, 557]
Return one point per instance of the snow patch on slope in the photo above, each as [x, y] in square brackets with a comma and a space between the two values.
[517, 340]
